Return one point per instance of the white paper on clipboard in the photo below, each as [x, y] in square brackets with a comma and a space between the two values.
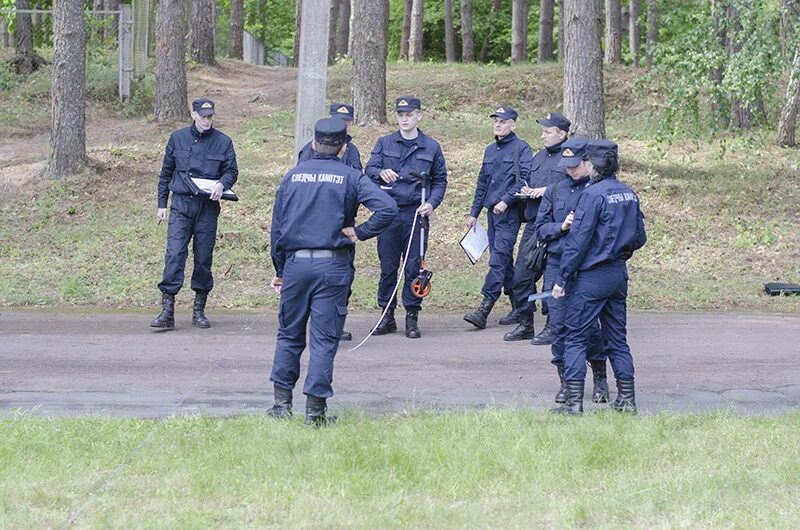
[475, 242]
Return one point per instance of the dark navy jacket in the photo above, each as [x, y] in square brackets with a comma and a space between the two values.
[556, 205]
[544, 171]
[316, 200]
[189, 153]
[351, 158]
[608, 227]
[497, 180]
[424, 156]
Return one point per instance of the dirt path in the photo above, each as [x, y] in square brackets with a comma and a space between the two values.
[242, 91]
[78, 363]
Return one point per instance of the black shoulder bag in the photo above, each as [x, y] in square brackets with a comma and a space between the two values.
[534, 254]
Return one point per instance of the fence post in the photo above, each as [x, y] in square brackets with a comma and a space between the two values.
[6, 38]
[125, 46]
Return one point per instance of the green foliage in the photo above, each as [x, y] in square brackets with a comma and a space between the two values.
[698, 73]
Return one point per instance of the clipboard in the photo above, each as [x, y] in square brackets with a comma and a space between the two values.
[203, 187]
[475, 242]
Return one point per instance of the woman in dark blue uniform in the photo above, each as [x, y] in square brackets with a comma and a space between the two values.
[607, 228]
[553, 222]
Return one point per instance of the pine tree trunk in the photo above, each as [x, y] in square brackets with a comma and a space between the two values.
[343, 33]
[494, 14]
[298, 19]
[370, 23]
[787, 124]
[170, 90]
[583, 67]
[236, 48]
[562, 41]
[415, 51]
[719, 104]
[613, 32]
[652, 32]
[333, 17]
[68, 129]
[405, 36]
[742, 116]
[519, 31]
[635, 32]
[467, 43]
[25, 60]
[201, 47]
[546, 17]
[449, 33]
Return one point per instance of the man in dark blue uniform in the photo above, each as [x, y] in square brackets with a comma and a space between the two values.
[506, 163]
[545, 171]
[393, 159]
[313, 239]
[607, 228]
[553, 222]
[198, 151]
[351, 157]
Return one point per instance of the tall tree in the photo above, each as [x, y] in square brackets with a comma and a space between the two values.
[201, 46]
[613, 32]
[494, 13]
[236, 47]
[298, 19]
[787, 125]
[343, 33]
[68, 129]
[562, 42]
[719, 102]
[25, 59]
[583, 67]
[652, 32]
[467, 44]
[742, 116]
[370, 23]
[415, 51]
[634, 33]
[449, 33]
[519, 31]
[170, 97]
[546, 18]
[405, 36]
[332, 20]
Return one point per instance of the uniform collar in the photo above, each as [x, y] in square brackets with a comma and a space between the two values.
[399, 137]
[578, 183]
[510, 137]
[198, 134]
[555, 148]
[318, 156]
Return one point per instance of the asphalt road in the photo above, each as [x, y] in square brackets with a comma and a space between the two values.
[73, 363]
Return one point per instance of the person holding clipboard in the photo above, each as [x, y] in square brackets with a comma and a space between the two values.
[199, 169]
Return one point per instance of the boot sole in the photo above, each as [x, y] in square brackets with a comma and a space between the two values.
[163, 326]
[203, 326]
[535, 342]
[517, 338]
[603, 399]
[386, 331]
[479, 325]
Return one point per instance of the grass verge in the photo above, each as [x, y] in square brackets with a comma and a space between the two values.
[491, 469]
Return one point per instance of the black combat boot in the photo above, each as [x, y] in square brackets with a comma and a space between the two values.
[315, 412]
[626, 397]
[574, 404]
[165, 319]
[478, 317]
[512, 317]
[523, 331]
[387, 323]
[544, 337]
[199, 316]
[282, 409]
[561, 396]
[346, 336]
[600, 391]
[412, 329]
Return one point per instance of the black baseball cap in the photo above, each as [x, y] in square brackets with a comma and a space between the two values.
[203, 106]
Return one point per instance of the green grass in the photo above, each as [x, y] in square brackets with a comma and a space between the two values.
[720, 213]
[492, 469]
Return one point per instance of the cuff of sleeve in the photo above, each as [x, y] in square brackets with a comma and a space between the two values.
[509, 199]
[475, 213]
[361, 232]
[162, 203]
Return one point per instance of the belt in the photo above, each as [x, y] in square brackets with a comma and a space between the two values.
[321, 253]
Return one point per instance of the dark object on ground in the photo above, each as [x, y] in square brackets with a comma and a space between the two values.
[775, 288]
